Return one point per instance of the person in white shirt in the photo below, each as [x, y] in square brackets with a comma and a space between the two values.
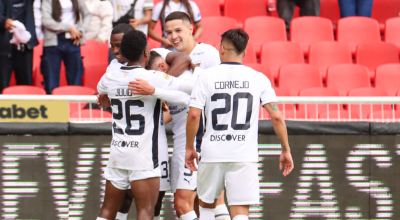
[179, 30]
[164, 8]
[229, 95]
[133, 158]
[101, 22]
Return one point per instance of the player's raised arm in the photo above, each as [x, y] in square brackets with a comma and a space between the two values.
[178, 61]
[279, 124]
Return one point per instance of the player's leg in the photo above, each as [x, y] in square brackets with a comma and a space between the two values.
[125, 206]
[242, 188]
[184, 204]
[221, 211]
[112, 200]
[210, 183]
[145, 193]
[157, 208]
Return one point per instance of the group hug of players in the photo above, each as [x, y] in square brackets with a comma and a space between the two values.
[212, 101]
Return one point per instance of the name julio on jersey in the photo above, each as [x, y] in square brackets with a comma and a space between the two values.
[232, 85]
[123, 92]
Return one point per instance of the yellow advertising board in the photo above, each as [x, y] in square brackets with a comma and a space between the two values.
[34, 111]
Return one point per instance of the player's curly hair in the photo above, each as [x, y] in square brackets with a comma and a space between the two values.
[153, 56]
[238, 37]
[133, 44]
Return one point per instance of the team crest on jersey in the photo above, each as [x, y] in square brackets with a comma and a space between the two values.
[166, 76]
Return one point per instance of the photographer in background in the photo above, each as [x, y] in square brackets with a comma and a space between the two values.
[16, 57]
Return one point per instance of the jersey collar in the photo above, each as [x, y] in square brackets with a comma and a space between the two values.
[130, 67]
[232, 63]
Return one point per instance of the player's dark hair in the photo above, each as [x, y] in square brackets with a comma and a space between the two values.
[133, 44]
[122, 29]
[178, 15]
[153, 56]
[238, 38]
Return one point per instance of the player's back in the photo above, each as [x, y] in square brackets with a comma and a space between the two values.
[231, 95]
[136, 119]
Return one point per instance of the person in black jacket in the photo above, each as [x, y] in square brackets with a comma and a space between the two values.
[12, 59]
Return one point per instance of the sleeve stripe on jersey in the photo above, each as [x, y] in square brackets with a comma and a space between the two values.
[156, 118]
[200, 133]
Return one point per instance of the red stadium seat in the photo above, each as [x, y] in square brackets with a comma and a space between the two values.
[357, 30]
[345, 77]
[208, 8]
[262, 69]
[327, 54]
[361, 111]
[241, 10]
[388, 114]
[373, 55]
[284, 92]
[13, 81]
[397, 106]
[93, 53]
[385, 9]
[215, 27]
[330, 9]
[335, 115]
[388, 78]
[313, 110]
[90, 114]
[153, 44]
[37, 53]
[392, 31]
[23, 90]
[310, 29]
[296, 77]
[265, 29]
[93, 74]
[38, 80]
[74, 90]
[277, 54]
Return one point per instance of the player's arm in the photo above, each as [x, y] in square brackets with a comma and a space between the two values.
[279, 125]
[179, 62]
[192, 126]
[102, 98]
[166, 112]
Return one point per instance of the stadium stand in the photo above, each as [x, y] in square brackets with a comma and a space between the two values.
[215, 27]
[388, 114]
[388, 78]
[264, 69]
[90, 113]
[382, 10]
[39, 81]
[241, 10]
[277, 54]
[93, 53]
[392, 31]
[93, 74]
[345, 77]
[361, 111]
[357, 30]
[307, 30]
[208, 8]
[74, 90]
[375, 54]
[312, 111]
[37, 53]
[250, 56]
[327, 54]
[296, 77]
[330, 9]
[23, 90]
[264, 29]
[335, 114]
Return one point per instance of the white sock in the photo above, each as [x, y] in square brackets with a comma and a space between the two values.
[98, 218]
[189, 216]
[156, 218]
[121, 216]
[241, 217]
[222, 213]
[206, 214]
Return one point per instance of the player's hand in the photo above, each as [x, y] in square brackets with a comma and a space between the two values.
[135, 22]
[286, 158]
[190, 156]
[9, 24]
[103, 101]
[141, 87]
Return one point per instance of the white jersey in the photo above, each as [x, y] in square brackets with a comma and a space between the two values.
[121, 7]
[205, 55]
[230, 94]
[136, 118]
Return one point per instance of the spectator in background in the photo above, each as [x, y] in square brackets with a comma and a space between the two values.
[355, 7]
[101, 22]
[17, 58]
[64, 23]
[286, 8]
[137, 13]
[38, 18]
[163, 9]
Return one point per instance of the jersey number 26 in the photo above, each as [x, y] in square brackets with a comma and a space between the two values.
[129, 118]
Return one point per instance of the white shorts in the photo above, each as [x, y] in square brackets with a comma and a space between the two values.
[240, 179]
[122, 179]
[182, 177]
[163, 161]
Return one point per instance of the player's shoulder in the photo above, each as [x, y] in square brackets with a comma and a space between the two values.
[206, 47]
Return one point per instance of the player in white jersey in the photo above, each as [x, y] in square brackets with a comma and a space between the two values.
[134, 149]
[230, 95]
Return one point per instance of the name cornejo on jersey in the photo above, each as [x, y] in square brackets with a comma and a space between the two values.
[232, 85]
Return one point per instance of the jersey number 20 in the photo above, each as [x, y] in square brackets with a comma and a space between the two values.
[129, 118]
[227, 98]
